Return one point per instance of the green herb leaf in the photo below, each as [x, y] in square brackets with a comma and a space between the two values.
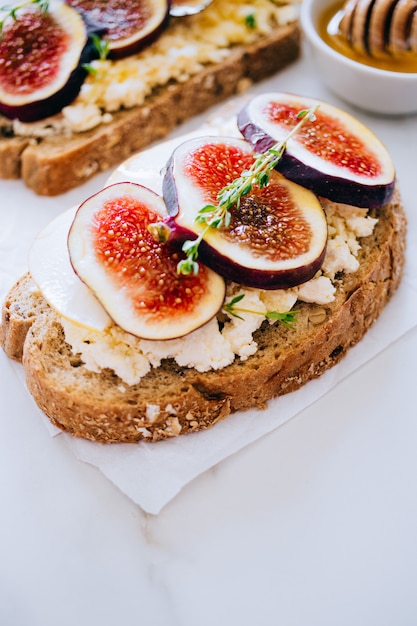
[187, 267]
[102, 47]
[236, 299]
[209, 208]
[250, 20]
[288, 318]
[189, 247]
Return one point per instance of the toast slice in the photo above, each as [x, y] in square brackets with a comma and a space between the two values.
[172, 400]
[54, 164]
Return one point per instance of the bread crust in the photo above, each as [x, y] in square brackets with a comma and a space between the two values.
[173, 400]
[53, 165]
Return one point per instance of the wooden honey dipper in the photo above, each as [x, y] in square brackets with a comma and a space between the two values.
[380, 27]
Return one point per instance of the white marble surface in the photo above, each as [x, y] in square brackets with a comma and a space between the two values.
[313, 524]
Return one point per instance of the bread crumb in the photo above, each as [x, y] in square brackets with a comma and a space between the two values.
[144, 431]
[173, 426]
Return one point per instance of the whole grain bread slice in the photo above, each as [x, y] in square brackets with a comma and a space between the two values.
[55, 164]
[172, 400]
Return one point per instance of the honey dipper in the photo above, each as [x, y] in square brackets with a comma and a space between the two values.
[378, 27]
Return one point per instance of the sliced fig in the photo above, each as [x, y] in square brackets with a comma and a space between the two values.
[128, 26]
[42, 53]
[335, 156]
[134, 277]
[276, 238]
[180, 8]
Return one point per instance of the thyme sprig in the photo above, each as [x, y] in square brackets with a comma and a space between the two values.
[11, 10]
[287, 318]
[218, 216]
[103, 49]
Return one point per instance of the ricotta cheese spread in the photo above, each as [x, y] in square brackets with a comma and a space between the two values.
[132, 358]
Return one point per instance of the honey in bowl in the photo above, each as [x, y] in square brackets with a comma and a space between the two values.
[378, 33]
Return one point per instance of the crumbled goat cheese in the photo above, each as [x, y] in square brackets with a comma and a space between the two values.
[238, 331]
[213, 352]
[357, 220]
[345, 225]
[318, 290]
[349, 222]
[48, 127]
[281, 300]
[131, 358]
[84, 116]
[338, 258]
[112, 348]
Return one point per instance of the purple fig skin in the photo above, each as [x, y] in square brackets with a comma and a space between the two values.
[178, 234]
[259, 279]
[142, 42]
[40, 109]
[334, 188]
[246, 276]
[118, 50]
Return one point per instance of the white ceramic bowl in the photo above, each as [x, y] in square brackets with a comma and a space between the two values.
[371, 89]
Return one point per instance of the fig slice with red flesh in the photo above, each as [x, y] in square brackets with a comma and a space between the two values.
[335, 156]
[128, 25]
[134, 277]
[276, 238]
[42, 53]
